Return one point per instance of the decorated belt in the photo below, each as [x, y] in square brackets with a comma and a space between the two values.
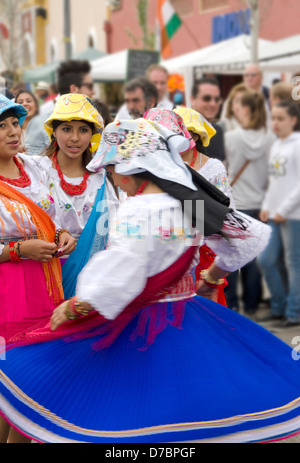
[184, 289]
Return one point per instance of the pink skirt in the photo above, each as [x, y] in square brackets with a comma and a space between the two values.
[24, 298]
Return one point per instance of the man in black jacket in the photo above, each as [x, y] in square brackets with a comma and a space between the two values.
[206, 99]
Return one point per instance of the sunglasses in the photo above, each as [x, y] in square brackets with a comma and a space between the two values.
[89, 85]
[208, 98]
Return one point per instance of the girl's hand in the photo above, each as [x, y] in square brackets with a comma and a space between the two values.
[264, 216]
[39, 250]
[206, 291]
[67, 244]
[59, 316]
[279, 218]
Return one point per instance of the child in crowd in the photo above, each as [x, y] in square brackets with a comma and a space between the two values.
[281, 209]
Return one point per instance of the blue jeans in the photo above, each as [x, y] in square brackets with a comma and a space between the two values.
[251, 282]
[285, 300]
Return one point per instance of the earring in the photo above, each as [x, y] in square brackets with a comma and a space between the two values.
[55, 143]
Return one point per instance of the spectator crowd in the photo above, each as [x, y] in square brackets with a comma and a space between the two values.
[256, 139]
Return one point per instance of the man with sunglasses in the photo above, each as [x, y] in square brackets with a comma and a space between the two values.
[73, 77]
[206, 99]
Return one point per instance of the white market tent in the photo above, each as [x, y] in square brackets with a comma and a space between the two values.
[226, 57]
[282, 55]
[279, 56]
[111, 68]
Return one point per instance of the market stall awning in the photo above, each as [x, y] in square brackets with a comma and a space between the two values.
[111, 68]
[288, 47]
[228, 57]
[282, 55]
[47, 73]
[90, 54]
[233, 55]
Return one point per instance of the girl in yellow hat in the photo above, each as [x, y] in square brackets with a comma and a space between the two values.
[75, 129]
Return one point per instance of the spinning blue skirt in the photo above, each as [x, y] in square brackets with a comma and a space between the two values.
[181, 371]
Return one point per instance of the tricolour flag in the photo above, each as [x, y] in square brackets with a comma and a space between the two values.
[168, 23]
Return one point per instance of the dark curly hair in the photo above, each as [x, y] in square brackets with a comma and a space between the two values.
[71, 73]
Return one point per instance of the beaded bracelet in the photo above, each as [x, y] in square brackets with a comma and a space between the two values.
[209, 281]
[18, 249]
[58, 233]
[13, 255]
[69, 312]
[75, 309]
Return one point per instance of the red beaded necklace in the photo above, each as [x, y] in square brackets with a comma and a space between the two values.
[195, 154]
[22, 181]
[142, 187]
[72, 190]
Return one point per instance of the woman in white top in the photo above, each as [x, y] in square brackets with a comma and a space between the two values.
[281, 209]
[229, 119]
[247, 152]
[150, 361]
[75, 130]
[31, 104]
[30, 274]
[198, 131]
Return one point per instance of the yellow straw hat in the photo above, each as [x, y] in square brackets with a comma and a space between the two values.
[76, 107]
[196, 123]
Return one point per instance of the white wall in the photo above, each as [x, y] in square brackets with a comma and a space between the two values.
[87, 18]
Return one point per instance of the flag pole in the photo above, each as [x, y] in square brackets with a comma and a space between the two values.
[191, 35]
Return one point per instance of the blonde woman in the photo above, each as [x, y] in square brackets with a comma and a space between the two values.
[230, 119]
[247, 153]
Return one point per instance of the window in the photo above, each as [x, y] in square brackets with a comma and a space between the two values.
[27, 51]
[115, 4]
[92, 38]
[183, 7]
[53, 51]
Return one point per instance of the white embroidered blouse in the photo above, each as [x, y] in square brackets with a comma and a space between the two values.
[72, 212]
[147, 235]
[38, 193]
[214, 172]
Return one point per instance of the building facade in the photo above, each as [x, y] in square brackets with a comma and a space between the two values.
[204, 22]
[87, 18]
[32, 32]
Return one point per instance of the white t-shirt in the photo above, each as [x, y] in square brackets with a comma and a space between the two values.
[283, 193]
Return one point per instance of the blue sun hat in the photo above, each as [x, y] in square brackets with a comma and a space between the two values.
[14, 109]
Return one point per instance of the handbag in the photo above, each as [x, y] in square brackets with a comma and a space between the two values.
[240, 172]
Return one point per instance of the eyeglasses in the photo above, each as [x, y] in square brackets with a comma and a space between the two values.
[208, 98]
[89, 85]
[251, 74]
